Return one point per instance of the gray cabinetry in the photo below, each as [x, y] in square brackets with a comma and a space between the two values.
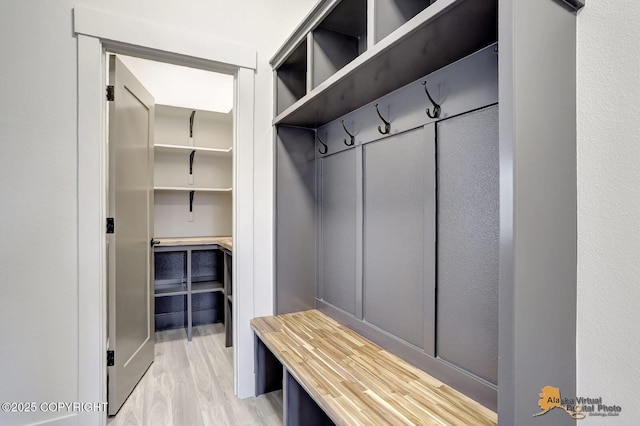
[228, 299]
[433, 233]
[189, 286]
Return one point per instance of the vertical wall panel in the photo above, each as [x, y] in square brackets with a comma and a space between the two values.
[338, 230]
[395, 171]
[295, 220]
[468, 231]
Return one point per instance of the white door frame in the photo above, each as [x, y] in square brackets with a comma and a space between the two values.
[98, 31]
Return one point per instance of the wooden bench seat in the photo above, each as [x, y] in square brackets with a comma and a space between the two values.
[354, 381]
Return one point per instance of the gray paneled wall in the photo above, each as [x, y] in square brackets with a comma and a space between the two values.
[338, 230]
[398, 206]
[468, 232]
[295, 220]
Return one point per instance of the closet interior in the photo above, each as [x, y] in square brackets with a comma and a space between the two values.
[193, 185]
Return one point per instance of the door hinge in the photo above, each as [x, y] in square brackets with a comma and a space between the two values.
[110, 93]
[111, 225]
[111, 358]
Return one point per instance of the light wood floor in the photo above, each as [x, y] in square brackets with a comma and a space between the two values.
[191, 383]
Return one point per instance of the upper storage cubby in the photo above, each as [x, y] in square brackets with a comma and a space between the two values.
[338, 39]
[292, 78]
[392, 14]
[358, 55]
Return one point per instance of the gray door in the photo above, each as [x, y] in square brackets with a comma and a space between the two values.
[130, 292]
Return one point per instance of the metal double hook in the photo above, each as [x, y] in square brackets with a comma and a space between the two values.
[351, 137]
[387, 125]
[326, 148]
[436, 107]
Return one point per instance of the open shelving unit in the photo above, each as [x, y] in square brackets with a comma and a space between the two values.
[392, 14]
[192, 198]
[183, 274]
[291, 78]
[192, 172]
[338, 39]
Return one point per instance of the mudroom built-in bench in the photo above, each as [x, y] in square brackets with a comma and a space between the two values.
[332, 375]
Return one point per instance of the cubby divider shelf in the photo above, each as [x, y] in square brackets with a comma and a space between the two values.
[292, 78]
[392, 14]
[440, 34]
[206, 286]
[338, 39]
[171, 289]
[189, 282]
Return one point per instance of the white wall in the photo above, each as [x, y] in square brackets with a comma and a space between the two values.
[38, 172]
[609, 205]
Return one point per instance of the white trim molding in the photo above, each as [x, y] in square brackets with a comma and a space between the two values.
[149, 35]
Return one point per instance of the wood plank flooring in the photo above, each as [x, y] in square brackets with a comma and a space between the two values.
[191, 383]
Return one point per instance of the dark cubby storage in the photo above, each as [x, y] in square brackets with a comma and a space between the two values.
[207, 308]
[189, 287]
[339, 38]
[392, 14]
[170, 274]
[171, 312]
[292, 78]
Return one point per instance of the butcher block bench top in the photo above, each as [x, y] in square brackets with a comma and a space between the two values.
[356, 382]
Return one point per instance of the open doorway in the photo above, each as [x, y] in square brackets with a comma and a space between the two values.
[170, 256]
[98, 32]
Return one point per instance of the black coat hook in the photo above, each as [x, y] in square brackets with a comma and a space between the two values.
[326, 148]
[387, 125]
[436, 107]
[191, 119]
[351, 137]
[191, 200]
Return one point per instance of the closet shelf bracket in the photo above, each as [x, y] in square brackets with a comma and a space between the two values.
[191, 193]
[191, 119]
[191, 156]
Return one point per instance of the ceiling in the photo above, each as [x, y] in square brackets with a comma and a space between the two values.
[180, 86]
